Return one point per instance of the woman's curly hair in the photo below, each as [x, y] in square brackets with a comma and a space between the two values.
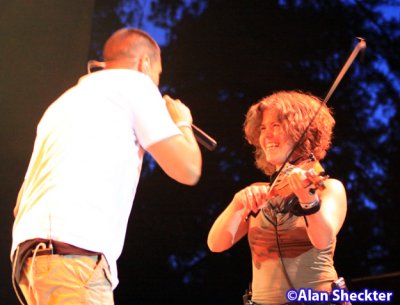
[295, 110]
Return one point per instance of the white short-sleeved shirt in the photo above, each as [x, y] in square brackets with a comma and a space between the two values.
[84, 170]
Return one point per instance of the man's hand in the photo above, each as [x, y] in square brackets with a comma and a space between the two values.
[178, 111]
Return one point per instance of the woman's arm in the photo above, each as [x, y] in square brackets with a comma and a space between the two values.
[231, 225]
[324, 225]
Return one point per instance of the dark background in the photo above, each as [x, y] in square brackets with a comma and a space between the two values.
[44, 48]
[219, 58]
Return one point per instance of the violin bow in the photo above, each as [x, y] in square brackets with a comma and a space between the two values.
[361, 45]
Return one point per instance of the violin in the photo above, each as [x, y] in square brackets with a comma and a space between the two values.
[314, 172]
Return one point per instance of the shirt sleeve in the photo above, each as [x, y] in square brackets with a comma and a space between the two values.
[151, 120]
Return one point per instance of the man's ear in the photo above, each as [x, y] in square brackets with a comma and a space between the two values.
[144, 64]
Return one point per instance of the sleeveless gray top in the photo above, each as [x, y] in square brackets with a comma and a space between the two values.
[307, 267]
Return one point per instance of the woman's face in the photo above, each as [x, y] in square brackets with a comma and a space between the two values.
[273, 140]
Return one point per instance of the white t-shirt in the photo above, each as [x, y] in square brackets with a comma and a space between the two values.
[84, 170]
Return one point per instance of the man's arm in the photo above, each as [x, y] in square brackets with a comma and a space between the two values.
[179, 156]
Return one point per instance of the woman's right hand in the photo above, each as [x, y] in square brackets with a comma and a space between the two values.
[251, 198]
[231, 225]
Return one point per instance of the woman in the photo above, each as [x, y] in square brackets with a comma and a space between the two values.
[293, 237]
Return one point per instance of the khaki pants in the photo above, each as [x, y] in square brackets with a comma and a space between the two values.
[66, 279]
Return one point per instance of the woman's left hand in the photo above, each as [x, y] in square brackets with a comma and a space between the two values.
[301, 186]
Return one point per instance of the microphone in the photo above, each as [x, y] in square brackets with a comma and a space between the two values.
[203, 138]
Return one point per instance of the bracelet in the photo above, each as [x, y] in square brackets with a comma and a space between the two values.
[299, 209]
[306, 206]
[183, 124]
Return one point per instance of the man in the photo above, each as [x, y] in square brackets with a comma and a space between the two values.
[73, 207]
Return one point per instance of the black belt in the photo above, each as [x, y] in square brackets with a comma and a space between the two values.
[55, 247]
[27, 249]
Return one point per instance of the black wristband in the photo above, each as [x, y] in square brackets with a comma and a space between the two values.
[299, 211]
